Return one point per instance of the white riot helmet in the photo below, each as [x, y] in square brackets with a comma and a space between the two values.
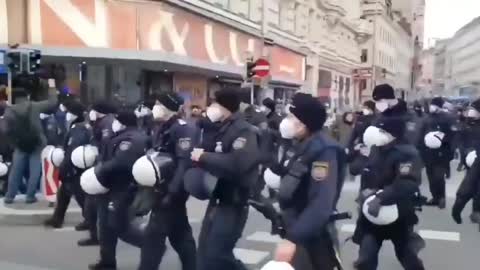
[3, 169]
[274, 265]
[83, 157]
[152, 169]
[56, 156]
[90, 183]
[272, 180]
[387, 215]
[434, 139]
[470, 158]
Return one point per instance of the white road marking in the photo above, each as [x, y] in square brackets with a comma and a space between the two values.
[264, 237]
[249, 256]
[65, 229]
[426, 234]
[438, 235]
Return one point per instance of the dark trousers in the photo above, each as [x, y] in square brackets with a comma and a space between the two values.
[406, 253]
[436, 179]
[118, 224]
[171, 222]
[64, 195]
[222, 226]
[90, 214]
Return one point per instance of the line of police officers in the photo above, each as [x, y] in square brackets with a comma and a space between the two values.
[118, 172]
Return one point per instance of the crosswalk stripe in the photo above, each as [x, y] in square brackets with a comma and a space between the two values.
[264, 237]
[425, 234]
[249, 256]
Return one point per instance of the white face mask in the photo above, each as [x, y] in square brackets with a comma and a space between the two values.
[265, 110]
[70, 117]
[433, 109]
[92, 115]
[366, 112]
[44, 116]
[214, 113]
[287, 129]
[62, 108]
[381, 106]
[472, 113]
[117, 126]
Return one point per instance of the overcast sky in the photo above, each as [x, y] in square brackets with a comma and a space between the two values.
[444, 17]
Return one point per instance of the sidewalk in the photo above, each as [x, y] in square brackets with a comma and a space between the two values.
[20, 213]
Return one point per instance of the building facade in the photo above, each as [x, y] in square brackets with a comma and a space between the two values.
[388, 56]
[439, 67]
[463, 61]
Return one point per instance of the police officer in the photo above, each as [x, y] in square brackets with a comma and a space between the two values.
[144, 115]
[114, 180]
[438, 133]
[469, 142]
[51, 127]
[394, 176]
[468, 189]
[169, 218]
[269, 108]
[236, 166]
[6, 150]
[386, 103]
[311, 186]
[78, 134]
[102, 116]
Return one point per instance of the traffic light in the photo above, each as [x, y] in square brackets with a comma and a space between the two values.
[250, 67]
[15, 62]
[34, 58]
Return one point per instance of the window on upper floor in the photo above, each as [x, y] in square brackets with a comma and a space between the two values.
[364, 56]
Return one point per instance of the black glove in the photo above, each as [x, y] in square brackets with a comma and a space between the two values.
[457, 212]
[374, 207]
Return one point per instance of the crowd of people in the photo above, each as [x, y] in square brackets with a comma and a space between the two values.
[121, 162]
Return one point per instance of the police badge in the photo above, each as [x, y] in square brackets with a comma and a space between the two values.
[405, 168]
[184, 143]
[319, 171]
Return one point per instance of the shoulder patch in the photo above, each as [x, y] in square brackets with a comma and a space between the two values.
[185, 143]
[182, 122]
[125, 145]
[405, 168]
[319, 171]
[105, 133]
[239, 143]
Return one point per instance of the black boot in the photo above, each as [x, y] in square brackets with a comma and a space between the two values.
[53, 223]
[82, 226]
[475, 217]
[103, 266]
[88, 242]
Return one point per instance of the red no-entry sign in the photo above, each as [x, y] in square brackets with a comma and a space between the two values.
[262, 68]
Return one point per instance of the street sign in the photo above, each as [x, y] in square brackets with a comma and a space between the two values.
[262, 68]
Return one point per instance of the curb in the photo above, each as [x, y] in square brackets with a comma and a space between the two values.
[12, 216]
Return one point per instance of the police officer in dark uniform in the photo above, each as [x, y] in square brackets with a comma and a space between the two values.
[236, 165]
[469, 142]
[468, 189]
[438, 132]
[6, 150]
[172, 135]
[144, 115]
[310, 187]
[78, 134]
[102, 116]
[113, 179]
[51, 127]
[269, 108]
[394, 176]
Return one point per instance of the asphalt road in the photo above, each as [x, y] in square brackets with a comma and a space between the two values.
[449, 246]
